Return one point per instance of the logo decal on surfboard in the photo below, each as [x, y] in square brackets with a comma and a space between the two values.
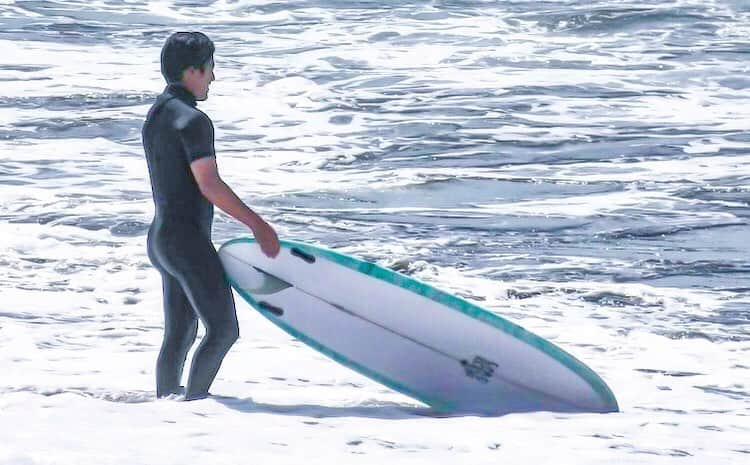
[479, 369]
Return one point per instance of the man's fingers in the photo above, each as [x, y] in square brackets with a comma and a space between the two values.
[271, 251]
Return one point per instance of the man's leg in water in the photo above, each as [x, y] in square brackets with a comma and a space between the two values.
[180, 328]
[208, 290]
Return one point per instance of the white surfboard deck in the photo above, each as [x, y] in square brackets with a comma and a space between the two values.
[427, 344]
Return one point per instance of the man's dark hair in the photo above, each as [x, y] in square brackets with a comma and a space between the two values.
[183, 50]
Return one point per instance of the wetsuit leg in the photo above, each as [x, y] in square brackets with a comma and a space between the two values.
[193, 262]
[180, 329]
[212, 298]
[180, 325]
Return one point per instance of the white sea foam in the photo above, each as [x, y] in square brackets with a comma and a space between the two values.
[578, 168]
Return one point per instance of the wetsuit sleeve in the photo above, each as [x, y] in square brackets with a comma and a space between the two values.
[198, 138]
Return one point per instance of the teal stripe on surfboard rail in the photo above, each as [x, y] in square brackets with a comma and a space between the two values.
[376, 271]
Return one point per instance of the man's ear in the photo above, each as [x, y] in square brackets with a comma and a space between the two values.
[187, 71]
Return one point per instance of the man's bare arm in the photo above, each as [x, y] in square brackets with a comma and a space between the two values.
[206, 174]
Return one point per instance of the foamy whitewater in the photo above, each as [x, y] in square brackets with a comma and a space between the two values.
[579, 167]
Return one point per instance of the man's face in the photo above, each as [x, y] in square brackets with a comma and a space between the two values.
[197, 81]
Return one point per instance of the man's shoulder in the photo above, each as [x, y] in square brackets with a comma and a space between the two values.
[187, 116]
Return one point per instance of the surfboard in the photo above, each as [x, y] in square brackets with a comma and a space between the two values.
[430, 345]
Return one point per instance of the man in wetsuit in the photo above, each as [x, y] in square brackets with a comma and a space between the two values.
[178, 140]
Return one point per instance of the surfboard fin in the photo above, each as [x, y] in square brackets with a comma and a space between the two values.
[278, 311]
[303, 255]
[263, 283]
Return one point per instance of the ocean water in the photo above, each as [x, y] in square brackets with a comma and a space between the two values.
[581, 168]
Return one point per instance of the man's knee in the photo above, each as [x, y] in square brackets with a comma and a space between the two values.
[226, 335]
[233, 333]
[182, 333]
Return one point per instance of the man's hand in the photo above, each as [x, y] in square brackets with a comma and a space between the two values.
[267, 239]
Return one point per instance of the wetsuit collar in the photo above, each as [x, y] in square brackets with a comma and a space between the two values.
[179, 91]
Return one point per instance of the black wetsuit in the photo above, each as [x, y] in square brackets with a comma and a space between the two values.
[179, 245]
